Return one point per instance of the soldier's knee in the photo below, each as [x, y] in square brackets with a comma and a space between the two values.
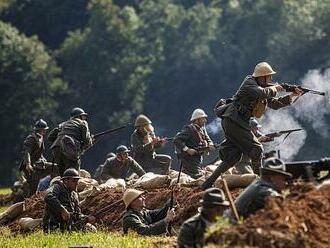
[256, 153]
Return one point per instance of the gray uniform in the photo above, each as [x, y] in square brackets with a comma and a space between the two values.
[73, 137]
[235, 124]
[191, 136]
[33, 148]
[146, 222]
[144, 153]
[113, 168]
[253, 197]
[192, 232]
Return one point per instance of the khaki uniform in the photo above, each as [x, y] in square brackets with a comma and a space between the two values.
[192, 232]
[253, 198]
[191, 136]
[144, 153]
[235, 123]
[113, 168]
[72, 139]
[33, 148]
[145, 222]
[57, 198]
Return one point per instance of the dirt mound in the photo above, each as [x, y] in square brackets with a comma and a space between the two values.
[301, 220]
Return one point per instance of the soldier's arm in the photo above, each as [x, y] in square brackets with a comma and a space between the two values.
[277, 103]
[138, 145]
[51, 199]
[86, 135]
[134, 223]
[180, 139]
[135, 167]
[260, 92]
[160, 213]
[28, 145]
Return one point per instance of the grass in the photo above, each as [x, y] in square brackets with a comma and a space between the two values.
[99, 239]
[5, 191]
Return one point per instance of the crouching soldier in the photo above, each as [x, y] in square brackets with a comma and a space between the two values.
[33, 164]
[189, 140]
[144, 221]
[62, 206]
[120, 166]
[192, 230]
[273, 180]
[144, 142]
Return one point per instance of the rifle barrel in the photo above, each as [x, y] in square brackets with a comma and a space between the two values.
[110, 130]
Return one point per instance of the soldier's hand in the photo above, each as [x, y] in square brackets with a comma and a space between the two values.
[29, 167]
[65, 215]
[297, 92]
[155, 140]
[191, 152]
[169, 216]
[91, 219]
[279, 88]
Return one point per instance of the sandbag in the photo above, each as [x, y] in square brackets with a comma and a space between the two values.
[29, 224]
[83, 183]
[113, 183]
[84, 173]
[236, 181]
[12, 212]
[152, 181]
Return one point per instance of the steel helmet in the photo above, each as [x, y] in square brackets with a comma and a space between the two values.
[40, 124]
[76, 112]
[130, 195]
[263, 69]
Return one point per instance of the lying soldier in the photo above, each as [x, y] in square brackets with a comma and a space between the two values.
[120, 166]
[62, 206]
[141, 220]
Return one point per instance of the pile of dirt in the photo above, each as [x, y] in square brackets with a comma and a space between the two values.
[301, 220]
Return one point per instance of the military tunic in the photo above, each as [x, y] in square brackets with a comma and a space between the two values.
[113, 168]
[235, 124]
[146, 222]
[33, 148]
[144, 153]
[73, 137]
[58, 197]
[253, 198]
[192, 137]
[192, 232]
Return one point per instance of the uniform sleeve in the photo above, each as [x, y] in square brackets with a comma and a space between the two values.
[277, 103]
[186, 238]
[51, 199]
[86, 136]
[159, 214]
[28, 145]
[181, 138]
[135, 167]
[260, 92]
[138, 145]
[134, 223]
[263, 195]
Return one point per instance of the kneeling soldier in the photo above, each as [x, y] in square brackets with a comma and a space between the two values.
[62, 206]
[120, 166]
[144, 221]
[192, 230]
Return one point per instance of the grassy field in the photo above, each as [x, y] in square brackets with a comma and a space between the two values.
[5, 190]
[100, 239]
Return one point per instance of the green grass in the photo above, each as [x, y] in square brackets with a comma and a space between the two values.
[5, 191]
[99, 239]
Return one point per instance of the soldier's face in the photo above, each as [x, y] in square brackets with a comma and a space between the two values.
[201, 121]
[122, 156]
[279, 182]
[139, 202]
[72, 184]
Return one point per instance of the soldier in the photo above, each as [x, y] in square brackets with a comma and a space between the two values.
[62, 206]
[192, 230]
[187, 142]
[250, 100]
[273, 180]
[98, 171]
[144, 221]
[33, 164]
[72, 138]
[144, 142]
[244, 165]
[120, 166]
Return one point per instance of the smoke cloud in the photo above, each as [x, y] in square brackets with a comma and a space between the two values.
[214, 127]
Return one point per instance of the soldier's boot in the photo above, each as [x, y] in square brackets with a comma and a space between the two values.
[223, 167]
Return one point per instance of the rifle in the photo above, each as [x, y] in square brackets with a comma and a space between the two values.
[169, 139]
[291, 87]
[200, 150]
[288, 132]
[306, 169]
[96, 136]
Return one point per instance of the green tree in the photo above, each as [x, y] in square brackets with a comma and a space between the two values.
[29, 79]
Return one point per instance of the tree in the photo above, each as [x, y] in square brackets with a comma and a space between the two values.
[29, 79]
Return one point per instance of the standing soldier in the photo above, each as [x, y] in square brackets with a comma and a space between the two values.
[251, 100]
[72, 138]
[144, 142]
[189, 140]
[33, 164]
